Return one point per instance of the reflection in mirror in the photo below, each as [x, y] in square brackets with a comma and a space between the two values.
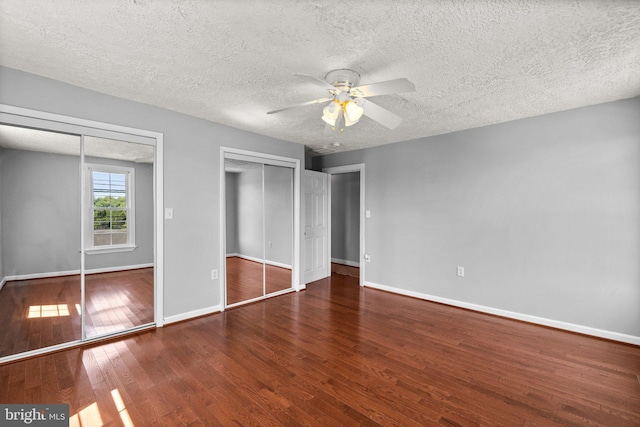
[39, 239]
[278, 221]
[118, 235]
[245, 248]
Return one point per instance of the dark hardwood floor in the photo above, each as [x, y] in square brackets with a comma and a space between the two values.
[118, 300]
[244, 279]
[345, 270]
[340, 355]
[39, 313]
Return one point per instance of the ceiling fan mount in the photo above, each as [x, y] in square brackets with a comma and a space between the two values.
[346, 103]
[343, 79]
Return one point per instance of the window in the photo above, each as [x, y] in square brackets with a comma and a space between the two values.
[110, 208]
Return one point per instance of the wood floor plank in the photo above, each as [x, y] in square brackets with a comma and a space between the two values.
[337, 354]
[43, 312]
[250, 279]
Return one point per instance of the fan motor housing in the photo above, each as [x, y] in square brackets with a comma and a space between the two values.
[343, 79]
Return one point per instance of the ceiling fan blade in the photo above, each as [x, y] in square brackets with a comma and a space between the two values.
[317, 82]
[383, 88]
[315, 101]
[381, 115]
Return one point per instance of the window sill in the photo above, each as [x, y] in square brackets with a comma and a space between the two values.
[110, 249]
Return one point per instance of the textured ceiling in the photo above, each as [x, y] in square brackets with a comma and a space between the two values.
[474, 63]
[19, 138]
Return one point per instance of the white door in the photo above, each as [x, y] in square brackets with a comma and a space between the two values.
[316, 233]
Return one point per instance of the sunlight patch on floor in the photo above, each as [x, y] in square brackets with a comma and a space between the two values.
[89, 416]
[122, 409]
[52, 310]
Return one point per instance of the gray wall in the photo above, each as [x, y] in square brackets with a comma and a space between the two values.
[543, 213]
[278, 208]
[249, 213]
[40, 202]
[40, 195]
[143, 254]
[345, 216]
[245, 218]
[191, 174]
[231, 189]
[2, 275]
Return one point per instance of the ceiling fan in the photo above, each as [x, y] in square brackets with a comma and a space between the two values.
[347, 104]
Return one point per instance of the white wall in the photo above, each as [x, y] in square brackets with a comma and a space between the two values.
[191, 175]
[543, 213]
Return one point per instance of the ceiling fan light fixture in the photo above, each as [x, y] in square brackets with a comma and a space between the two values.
[352, 112]
[349, 122]
[330, 113]
[331, 122]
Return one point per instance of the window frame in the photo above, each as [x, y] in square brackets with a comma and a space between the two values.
[129, 173]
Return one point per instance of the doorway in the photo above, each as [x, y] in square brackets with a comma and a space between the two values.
[347, 220]
[345, 224]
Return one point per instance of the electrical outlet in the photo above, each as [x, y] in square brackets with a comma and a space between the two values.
[214, 274]
[460, 271]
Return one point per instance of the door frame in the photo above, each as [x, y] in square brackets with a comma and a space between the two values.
[61, 123]
[295, 268]
[357, 167]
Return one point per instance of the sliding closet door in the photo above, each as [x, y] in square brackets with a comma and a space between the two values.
[259, 215]
[278, 220]
[118, 235]
[39, 239]
[245, 231]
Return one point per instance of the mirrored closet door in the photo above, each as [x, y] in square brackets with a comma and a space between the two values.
[76, 237]
[259, 230]
[118, 235]
[40, 290]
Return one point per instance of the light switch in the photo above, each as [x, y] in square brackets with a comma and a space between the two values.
[367, 214]
[168, 213]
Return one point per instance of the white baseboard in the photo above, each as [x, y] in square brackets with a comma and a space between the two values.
[42, 275]
[191, 314]
[278, 264]
[586, 330]
[74, 272]
[2, 282]
[346, 262]
[254, 259]
[119, 268]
